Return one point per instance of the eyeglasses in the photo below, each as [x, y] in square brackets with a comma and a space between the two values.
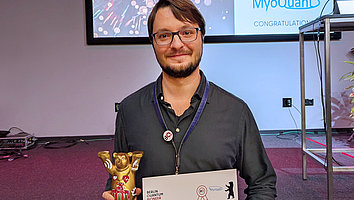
[185, 35]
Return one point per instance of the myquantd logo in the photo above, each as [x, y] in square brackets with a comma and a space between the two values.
[286, 4]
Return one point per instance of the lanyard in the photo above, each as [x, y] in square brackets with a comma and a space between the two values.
[191, 126]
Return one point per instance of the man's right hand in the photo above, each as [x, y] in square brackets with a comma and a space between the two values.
[108, 195]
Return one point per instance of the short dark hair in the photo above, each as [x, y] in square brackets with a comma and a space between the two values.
[183, 10]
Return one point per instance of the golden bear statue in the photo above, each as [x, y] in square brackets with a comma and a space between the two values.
[123, 172]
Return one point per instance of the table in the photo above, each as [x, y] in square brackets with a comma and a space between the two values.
[325, 24]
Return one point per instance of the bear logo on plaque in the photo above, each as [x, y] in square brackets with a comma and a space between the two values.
[123, 172]
[230, 189]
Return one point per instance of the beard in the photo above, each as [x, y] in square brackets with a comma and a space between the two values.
[181, 72]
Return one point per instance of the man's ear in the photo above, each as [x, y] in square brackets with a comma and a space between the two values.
[153, 47]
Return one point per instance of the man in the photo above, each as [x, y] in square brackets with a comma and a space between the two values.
[211, 128]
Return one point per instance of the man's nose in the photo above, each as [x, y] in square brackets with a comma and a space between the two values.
[176, 42]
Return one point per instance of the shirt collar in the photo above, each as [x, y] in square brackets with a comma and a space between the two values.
[198, 93]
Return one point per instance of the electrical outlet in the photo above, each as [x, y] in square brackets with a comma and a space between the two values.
[287, 102]
[308, 102]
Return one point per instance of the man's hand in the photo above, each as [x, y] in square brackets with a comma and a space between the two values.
[108, 194]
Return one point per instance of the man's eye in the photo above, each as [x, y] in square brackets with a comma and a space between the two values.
[188, 32]
[163, 35]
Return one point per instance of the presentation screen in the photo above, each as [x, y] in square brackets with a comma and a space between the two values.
[125, 21]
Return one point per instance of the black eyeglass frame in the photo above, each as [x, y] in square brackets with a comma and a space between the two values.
[173, 36]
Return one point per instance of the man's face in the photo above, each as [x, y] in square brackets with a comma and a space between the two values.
[178, 59]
